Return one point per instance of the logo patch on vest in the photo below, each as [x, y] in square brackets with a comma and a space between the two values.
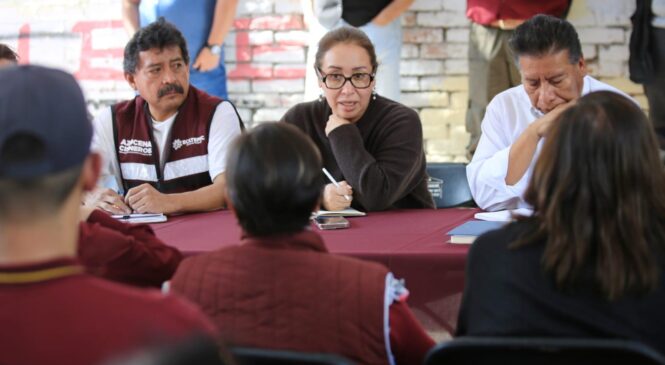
[136, 146]
[178, 143]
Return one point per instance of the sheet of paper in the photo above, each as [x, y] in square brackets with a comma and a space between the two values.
[502, 215]
[348, 212]
[141, 217]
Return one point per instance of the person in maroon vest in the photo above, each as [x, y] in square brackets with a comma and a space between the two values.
[50, 310]
[165, 149]
[125, 253]
[280, 288]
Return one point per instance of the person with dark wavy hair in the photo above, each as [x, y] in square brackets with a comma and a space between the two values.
[165, 149]
[590, 262]
[549, 57]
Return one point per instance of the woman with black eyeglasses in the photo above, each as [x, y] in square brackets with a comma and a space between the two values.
[372, 146]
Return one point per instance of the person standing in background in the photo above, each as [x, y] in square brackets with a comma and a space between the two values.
[380, 20]
[204, 24]
[647, 54]
[492, 68]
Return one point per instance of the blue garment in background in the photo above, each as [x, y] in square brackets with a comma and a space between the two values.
[194, 19]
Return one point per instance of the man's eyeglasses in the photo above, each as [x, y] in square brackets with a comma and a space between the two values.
[337, 81]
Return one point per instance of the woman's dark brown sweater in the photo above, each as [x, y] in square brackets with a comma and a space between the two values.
[381, 155]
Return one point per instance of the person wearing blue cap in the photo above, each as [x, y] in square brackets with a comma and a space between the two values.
[50, 309]
[126, 253]
[165, 149]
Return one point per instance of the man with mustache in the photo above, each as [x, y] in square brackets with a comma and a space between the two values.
[554, 75]
[166, 148]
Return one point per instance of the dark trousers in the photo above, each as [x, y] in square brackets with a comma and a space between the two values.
[655, 87]
[492, 70]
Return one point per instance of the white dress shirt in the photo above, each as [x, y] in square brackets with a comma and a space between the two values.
[506, 117]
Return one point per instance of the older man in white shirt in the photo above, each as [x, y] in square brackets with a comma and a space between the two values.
[554, 76]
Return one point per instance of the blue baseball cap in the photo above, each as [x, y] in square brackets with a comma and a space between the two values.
[48, 106]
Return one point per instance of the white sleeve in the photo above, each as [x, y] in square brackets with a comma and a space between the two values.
[104, 144]
[225, 126]
[487, 170]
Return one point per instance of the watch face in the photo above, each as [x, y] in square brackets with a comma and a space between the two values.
[215, 49]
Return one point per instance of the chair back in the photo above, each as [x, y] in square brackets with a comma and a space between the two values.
[448, 184]
[259, 356]
[197, 350]
[542, 351]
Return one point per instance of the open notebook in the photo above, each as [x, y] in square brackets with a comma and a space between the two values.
[141, 217]
[348, 212]
[503, 215]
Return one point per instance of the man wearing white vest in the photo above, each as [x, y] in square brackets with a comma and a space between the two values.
[165, 149]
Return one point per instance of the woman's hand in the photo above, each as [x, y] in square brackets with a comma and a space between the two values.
[335, 198]
[334, 122]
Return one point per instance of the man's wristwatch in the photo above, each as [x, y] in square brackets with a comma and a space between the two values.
[215, 49]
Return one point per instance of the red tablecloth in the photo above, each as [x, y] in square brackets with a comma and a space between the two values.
[412, 243]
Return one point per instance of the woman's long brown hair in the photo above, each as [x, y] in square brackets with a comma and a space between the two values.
[598, 193]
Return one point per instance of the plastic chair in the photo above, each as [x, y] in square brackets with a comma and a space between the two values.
[542, 351]
[197, 350]
[259, 356]
[448, 184]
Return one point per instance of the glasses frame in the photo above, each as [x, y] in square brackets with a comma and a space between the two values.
[349, 79]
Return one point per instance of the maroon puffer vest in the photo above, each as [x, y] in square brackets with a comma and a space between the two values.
[288, 293]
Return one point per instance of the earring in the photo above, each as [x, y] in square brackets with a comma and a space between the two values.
[322, 98]
[373, 94]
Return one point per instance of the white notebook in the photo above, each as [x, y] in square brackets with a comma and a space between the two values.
[502, 215]
[141, 217]
[348, 212]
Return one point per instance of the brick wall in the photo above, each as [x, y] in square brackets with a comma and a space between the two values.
[265, 55]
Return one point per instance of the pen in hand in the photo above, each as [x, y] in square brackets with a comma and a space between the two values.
[334, 182]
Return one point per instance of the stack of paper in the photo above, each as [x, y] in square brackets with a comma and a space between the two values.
[348, 212]
[141, 217]
[503, 215]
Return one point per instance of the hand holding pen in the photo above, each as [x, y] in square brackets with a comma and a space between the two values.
[108, 200]
[337, 195]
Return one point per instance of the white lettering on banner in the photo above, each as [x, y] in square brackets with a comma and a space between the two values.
[136, 146]
[178, 143]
